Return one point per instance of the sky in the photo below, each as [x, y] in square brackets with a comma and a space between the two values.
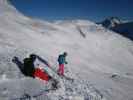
[94, 10]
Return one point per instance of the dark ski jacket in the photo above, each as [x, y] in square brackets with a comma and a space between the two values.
[29, 67]
[62, 59]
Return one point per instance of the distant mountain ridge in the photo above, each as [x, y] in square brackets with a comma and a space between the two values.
[122, 27]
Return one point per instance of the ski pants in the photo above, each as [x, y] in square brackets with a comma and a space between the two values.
[61, 69]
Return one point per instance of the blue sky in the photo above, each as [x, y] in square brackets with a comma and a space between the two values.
[95, 10]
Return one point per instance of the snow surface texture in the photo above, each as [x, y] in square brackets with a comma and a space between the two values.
[100, 61]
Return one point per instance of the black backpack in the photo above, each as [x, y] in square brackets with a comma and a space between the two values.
[28, 67]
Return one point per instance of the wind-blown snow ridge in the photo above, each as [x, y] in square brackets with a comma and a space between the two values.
[99, 60]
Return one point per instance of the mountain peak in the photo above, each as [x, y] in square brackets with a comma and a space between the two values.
[122, 27]
[111, 22]
[6, 7]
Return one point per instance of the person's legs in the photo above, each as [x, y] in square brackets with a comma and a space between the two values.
[19, 64]
[61, 69]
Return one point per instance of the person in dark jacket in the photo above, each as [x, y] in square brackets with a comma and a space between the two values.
[62, 61]
[30, 70]
[29, 67]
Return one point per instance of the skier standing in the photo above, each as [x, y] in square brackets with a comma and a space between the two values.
[62, 61]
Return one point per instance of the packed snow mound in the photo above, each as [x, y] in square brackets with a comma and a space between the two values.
[100, 61]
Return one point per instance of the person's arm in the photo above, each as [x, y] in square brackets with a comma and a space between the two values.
[65, 61]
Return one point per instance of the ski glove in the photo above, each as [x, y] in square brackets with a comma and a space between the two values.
[66, 62]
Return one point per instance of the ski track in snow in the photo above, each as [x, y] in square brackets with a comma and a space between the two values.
[100, 61]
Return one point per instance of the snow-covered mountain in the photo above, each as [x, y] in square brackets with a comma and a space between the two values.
[99, 60]
[111, 22]
[125, 29]
[122, 27]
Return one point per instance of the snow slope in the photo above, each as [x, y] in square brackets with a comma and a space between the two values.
[99, 60]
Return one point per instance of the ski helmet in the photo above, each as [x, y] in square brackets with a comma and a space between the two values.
[65, 54]
[33, 56]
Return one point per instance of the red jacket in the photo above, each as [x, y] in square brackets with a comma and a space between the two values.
[39, 73]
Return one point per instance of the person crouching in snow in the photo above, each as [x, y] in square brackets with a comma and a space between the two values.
[30, 70]
[62, 61]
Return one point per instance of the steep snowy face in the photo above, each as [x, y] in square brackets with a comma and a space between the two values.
[94, 55]
[6, 8]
